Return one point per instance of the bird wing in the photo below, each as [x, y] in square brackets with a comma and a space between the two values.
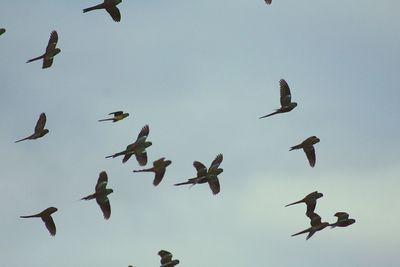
[159, 176]
[50, 225]
[47, 62]
[342, 216]
[101, 181]
[310, 153]
[52, 42]
[286, 97]
[315, 219]
[126, 157]
[40, 123]
[141, 158]
[214, 185]
[201, 169]
[114, 12]
[268, 2]
[144, 132]
[116, 113]
[105, 207]
[216, 162]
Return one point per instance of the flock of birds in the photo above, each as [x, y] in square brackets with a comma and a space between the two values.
[138, 148]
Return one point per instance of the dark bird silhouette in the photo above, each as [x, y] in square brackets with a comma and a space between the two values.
[46, 218]
[166, 259]
[100, 194]
[51, 51]
[268, 2]
[159, 168]
[316, 225]
[342, 220]
[2, 30]
[311, 201]
[209, 176]
[40, 131]
[138, 148]
[286, 100]
[110, 6]
[308, 148]
[118, 115]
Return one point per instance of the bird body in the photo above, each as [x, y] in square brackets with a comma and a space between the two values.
[311, 201]
[118, 115]
[159, 168]
[285, 99]
[100, 194]
[316, 225]
[46, 218]
[110, 6]
[166, 259]
[308, 148]
[40, 131]
[51, 51]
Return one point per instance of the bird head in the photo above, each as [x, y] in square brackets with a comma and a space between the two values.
[109, 191]
[315, 139]
[51, 210]
[56, 51]
[147, 144]
[293, 104]
[125, 115]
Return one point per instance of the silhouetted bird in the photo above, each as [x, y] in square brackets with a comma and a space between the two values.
[46, 218]
[268, 2]
[166, 259]
[40, 131]
[101, 193]
[138, 148]
[51, 51]
[110, 6]
[311, 201]
[308, 148]
[2, 30]
[159, 168]
[316, 225]
[209, 176]
[286, 100]
[342, 220]
[118, 115]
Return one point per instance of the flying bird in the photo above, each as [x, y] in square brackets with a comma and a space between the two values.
[342, 220]
[209, 176]
[286, 100]
[101, 193]
[40, 131]
[268, 2]
[51, 51]
[159, 168]
[308, 148]
[166, 259]
[110, 6]
[138, 148]
[2, 30]
[118, 115]
[311, 201]
[316, 225]
[46, 218]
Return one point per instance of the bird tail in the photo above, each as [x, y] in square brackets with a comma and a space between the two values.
[99, 6]
[302, 232]
[106, 119]
[89, 197]
[26, 138]
[144, 170]
[295, 147]
[297, 202]
[273, 113]
[30, 216]
[36, 58]
[188, 182]
[116, 154]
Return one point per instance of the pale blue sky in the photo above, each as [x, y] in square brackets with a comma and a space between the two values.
[200, 73]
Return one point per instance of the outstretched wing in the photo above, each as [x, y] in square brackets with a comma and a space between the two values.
[105, 207]
[201, 169]
[268, 2]
[50, 225]
[114, 12]
[214, 185]
[217, 161]
[342, 215]
[52, 42]
[116, 113]
[141, 158]
[310, 153]
[286, 97]
[101, 181]
[40, 123]
[144, 132]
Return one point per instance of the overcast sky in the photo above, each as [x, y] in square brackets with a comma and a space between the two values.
[200, 73]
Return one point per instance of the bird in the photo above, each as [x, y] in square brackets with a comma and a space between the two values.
[286, 100]
[100, 194]
[316, 225]
[51, 51]
[110, 6]
[46, 218]
[138, 148]
[40, 131]
[166, 259]
[268, 2]
[342, 220]
[159, 168]
[310, 200]
[118, 115]
[308, 148]
[2, 30]
[209, 176]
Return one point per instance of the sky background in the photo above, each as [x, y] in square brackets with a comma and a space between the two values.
[200, 73]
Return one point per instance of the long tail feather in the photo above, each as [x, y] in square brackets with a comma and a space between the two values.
[36, 58]
[184, 183]
[297, 202]
[295, 147]
[106, 119]
[89, 197]
[99, 6]
[26, 138]
[273, 113]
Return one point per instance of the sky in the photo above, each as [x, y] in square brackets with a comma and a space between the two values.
[200, 74]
